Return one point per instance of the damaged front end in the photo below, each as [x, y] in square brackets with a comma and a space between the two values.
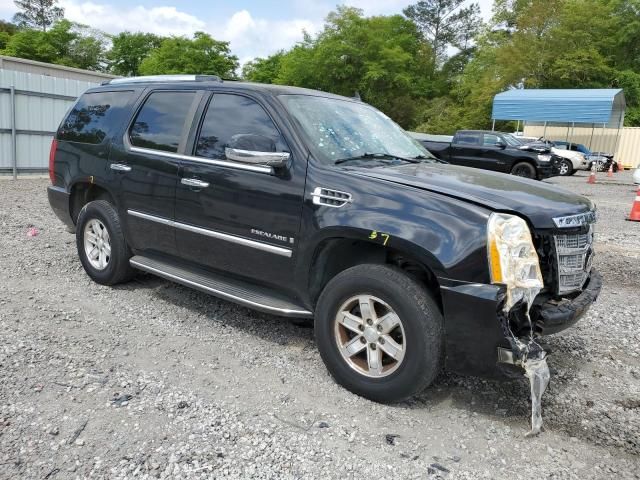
[514, 263]
[493, 329]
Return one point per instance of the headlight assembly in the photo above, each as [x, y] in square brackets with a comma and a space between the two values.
[544, 158]
[513, 260]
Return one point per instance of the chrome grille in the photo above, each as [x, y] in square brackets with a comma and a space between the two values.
[574, 257]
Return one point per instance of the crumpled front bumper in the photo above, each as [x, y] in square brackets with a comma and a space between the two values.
[474, 331]
[556, 316]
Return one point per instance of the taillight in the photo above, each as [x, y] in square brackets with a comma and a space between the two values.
[52, 157]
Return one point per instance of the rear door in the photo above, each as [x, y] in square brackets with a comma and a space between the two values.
[234, 217]
[145, 167]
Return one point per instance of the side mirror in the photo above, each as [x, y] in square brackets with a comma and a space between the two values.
[256, 150]
[501, 144]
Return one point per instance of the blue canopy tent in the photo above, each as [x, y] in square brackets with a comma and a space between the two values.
[588, 107]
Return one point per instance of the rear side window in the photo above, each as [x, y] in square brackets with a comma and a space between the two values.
[230, 115]
[94, 117]
[161, 121]
[468, 139]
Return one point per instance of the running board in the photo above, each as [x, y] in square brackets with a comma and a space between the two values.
[252, 296]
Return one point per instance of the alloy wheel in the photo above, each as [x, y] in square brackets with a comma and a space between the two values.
[370, 336]
[97, 244]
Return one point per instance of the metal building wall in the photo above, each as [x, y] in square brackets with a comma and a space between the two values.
[49, 69]
[626, 148]
[31, 108]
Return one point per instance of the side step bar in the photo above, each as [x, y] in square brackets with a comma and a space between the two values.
[252, 296]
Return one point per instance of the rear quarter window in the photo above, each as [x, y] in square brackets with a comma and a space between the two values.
[94, 117]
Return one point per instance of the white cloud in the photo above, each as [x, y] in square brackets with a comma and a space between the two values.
[254, 37]
[159, 20]
[7, 8]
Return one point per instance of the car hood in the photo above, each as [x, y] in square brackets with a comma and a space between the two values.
[538, 201]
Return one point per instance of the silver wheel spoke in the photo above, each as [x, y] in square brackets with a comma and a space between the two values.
[388, 322]
[366, 308]
[93, 254]
[102, 261]
[374, 360]
[354, 346]
[107, 249]
[351, 322]
[391, 347]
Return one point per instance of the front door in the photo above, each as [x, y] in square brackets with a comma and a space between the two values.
[234, 217]
[145, 166]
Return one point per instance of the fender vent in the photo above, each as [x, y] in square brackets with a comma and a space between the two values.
[330, 198]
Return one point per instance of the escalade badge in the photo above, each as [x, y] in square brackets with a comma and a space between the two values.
[575, 220]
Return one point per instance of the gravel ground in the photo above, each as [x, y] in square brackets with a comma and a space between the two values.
[151, 379]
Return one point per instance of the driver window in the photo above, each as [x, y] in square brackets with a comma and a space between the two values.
[230, 116]
[491, 140]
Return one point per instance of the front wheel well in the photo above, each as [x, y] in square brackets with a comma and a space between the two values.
[83, 193]
[338, 254]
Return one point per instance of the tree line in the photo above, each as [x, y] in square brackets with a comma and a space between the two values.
[433, 67]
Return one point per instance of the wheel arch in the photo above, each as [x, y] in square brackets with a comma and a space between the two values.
[84, 191]
[336, 253]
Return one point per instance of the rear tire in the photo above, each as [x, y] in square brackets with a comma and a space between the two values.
[524, 169]
[566, 168]
[101, 245]
[406, 349]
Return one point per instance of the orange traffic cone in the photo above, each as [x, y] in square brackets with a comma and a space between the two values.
[610, 171]
[634, 216]
[592, 177]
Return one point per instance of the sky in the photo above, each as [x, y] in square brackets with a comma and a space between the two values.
[254, 28]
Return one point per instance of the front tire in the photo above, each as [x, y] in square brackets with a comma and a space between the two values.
[524, 169]
[566, 168]
[101, 245]
[379, 333]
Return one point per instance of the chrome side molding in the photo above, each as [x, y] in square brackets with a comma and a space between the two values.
[265, 247]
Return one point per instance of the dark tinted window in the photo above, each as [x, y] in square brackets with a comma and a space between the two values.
[230, 116]
[161, 120]
[490, 140]
[93, 117]
[468, 138]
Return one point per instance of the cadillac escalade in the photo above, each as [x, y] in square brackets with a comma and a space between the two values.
[305, 204]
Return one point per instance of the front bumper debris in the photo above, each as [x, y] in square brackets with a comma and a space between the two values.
[557, 316]
[476, 343]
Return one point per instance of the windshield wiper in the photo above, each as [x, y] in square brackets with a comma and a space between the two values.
[377, 156]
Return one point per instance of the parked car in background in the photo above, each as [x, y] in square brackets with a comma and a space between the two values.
[572, 160]
[497, 151]
[601, 160]
[636, 176]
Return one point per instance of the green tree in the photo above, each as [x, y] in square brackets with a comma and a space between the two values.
[382, 58]
[445, 23]
[40, 14]
[200, 55]
[263, 70]
[129, 50]
[65, 43]
[6, 30]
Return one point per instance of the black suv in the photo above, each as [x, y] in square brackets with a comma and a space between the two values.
[305, 204]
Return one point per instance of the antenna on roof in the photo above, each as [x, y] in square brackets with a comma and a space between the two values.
[357, 96]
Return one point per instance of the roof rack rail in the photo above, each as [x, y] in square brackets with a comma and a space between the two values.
[163, 78]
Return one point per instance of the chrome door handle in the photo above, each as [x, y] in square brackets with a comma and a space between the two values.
[194, 182]
[120, 167]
